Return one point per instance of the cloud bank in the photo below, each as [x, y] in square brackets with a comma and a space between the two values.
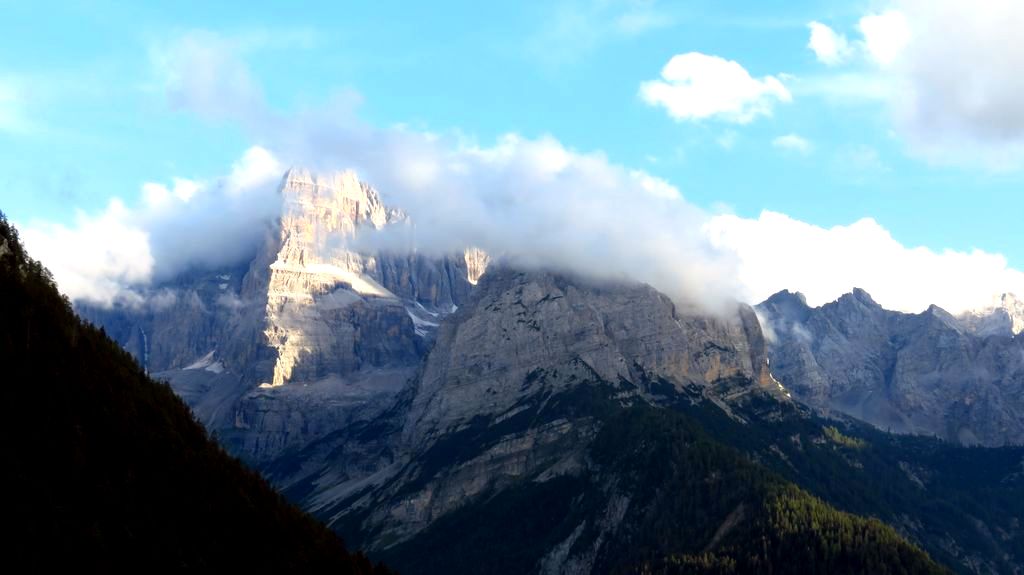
[105, 257]
[777, 252]
[532, 200]
[949, 71]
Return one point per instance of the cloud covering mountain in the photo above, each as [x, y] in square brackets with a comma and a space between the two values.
[532, 200]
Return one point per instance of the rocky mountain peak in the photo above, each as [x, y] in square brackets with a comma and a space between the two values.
[861, 297]
[786, 297]
[1003, 316]
[316, 206]
[786, 305]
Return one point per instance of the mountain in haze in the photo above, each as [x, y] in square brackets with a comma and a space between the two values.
[536, 421]
[107, 470]
[1004, 314]
[957, 378]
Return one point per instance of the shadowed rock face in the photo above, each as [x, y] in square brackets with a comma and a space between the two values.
[927, 373]
[503, 395]
[525, 321]
[306, 336]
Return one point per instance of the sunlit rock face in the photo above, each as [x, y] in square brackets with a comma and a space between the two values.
[319, 293]
[929, 373]
[307, 335]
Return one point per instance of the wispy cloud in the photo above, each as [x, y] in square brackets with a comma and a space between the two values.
[727, 139]
[793, 143]
[574, 29]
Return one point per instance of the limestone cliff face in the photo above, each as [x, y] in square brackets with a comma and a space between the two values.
[318, 289]
[926, 373]
[306, 336]
[333, 310]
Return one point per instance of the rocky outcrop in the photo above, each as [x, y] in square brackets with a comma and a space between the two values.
[926, 373]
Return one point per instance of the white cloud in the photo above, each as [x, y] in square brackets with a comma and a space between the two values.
[541, 205]
[103, 257]
[776, 252]
[886, 35]
[96, 257]
[655, 186]
[962, 85]
[697, 86]
[793, 142]
[949, 71]
[255, 168]
[828, 46]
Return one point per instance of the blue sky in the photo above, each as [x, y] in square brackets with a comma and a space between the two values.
[87, 111]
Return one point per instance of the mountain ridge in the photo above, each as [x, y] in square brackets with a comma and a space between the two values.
[929, 373]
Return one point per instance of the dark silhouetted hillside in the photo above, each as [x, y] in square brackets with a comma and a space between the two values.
[107, 469]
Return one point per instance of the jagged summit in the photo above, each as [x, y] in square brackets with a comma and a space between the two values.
[932, 373]
[787, 296]
[789, 305]
[860, 296]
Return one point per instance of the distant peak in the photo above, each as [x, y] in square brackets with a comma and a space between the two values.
[1005, 315]
[939, 312]
[785, 304]
[788, 297]
[860, 296]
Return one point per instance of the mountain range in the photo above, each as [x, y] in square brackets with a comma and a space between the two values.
[530, 420]
[957, 378]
